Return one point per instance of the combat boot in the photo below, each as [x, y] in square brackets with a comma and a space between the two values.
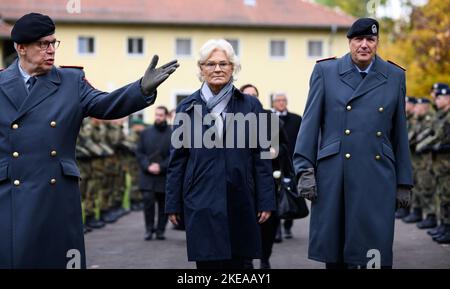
[445, 237]
[429, 222]
[108, 217]
[436, 231]
[401, 213]
[414, 217]
[92, 223]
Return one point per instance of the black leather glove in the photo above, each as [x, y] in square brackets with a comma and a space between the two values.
[153, 76]
[306, 186]
[403, 197]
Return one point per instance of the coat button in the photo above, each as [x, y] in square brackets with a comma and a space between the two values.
[53, 124]
[378, 157]
[349, 107]
[381, 109]
[348, 132]
[53, 153]
[15, 126]
[15, 155]
[348, 156]
[52, 181]
[16, 183]
[379, 134]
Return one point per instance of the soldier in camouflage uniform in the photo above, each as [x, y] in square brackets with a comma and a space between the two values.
[425, 184]
[137, 127]
[410, 103]
[92, 170]
[439, 143]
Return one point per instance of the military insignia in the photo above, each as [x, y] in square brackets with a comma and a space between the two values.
[374, 29]
[325, 59]
[396, 65]
[444, 91]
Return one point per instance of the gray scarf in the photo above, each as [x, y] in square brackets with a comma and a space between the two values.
[217, 104]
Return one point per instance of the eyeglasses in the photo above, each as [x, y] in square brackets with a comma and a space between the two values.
[44, 45]
[210, 66]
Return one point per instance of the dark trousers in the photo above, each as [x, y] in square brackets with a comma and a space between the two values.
[235, 263]
[288, 223]
[150, 198]
[268, 232]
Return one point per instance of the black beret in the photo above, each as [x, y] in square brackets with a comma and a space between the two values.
[32, 27]
[363, 27]
[442, 91]
[423, 100]
[438, 86]
[411, 99]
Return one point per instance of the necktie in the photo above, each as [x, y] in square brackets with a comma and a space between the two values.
[31, 81]
[363, 74]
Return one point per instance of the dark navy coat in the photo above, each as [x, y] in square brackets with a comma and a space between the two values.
[220, 189]
[40, 207]
[354, 134]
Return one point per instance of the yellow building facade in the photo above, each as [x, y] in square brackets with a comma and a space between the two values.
[111, 66]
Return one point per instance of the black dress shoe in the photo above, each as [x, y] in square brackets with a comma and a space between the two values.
[160, 236]
[148, 236]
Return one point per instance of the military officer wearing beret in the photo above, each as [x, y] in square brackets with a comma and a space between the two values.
[352, 155]
[42, 108]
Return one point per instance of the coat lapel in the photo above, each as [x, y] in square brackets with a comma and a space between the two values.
[377, 76]
[348, 73]
[13, 84]
[45, 86]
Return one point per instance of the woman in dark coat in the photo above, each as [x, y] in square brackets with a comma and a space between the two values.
[225, 190]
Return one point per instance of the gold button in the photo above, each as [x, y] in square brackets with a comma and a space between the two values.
[379, 134]
[15, 126]
[15, 154]
[16, 183]
[52, 181]
[348, 156]
[53, 153]
[349, 107]
[53, 124]
[378, 157]
[348, 132]
[381, 109]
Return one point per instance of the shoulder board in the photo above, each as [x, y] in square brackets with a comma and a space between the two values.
[325, 59]
[1, 69]
[396, 65]
[71, 66]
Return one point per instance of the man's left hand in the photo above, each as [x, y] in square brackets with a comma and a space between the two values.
[264, 216]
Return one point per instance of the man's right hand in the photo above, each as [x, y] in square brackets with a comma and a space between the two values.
[306, 186]
[153, 76]
[174, 218]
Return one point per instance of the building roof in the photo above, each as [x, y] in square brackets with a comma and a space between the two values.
[233, 13]
[5, 29]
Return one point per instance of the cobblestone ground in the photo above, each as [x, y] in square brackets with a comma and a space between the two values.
[121, 245]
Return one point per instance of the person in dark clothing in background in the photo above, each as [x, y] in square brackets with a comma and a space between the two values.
[281, 166]
[291, 125]
[153, 156]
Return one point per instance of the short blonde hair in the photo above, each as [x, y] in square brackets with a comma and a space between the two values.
[218, 44]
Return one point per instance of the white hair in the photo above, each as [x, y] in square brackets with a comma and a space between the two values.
[218, 44]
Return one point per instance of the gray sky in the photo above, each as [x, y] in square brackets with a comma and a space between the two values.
[394, 9]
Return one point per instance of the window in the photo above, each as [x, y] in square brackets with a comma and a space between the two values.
[315, 48]
[135, 46]
[278, 48]
[180, 97]
[235, 44]
[86, 45]
[183, 47]
[250, 2]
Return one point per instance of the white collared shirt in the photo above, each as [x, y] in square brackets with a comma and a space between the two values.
[25, 76]
[366, 70]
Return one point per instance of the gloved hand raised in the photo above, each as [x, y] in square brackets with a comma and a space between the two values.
[403, 197]
[153, 76]
[306, 186]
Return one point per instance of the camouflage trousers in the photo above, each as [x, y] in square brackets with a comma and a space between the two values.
[95, 188]
[425, 187]
[85, 172]
[441, 168]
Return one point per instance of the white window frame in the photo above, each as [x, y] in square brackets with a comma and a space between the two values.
[285, 49]
[323, 48]
[238, 41]
[138, 55]
[191, 48]
[86, 53]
